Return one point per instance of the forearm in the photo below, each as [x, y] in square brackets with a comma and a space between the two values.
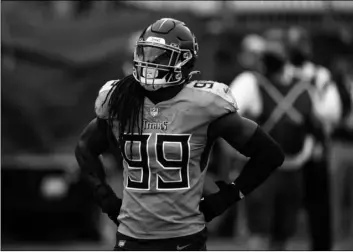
[265, 156]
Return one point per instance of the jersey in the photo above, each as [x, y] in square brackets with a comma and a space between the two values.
[165, 167]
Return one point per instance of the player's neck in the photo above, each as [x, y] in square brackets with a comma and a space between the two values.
[163, 94]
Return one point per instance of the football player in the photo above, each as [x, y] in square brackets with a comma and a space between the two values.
[164, 125]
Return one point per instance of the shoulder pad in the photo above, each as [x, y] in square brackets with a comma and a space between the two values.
[219, 89]
[102, 101]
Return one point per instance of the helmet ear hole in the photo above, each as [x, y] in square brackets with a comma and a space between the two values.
[178, 76]
[187, 55]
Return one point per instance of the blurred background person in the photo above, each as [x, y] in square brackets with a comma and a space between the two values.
[282, 107]
[327, 109]
[244, 86]
[341, 159]
[251, 50]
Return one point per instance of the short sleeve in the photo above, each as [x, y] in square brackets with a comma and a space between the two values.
[102, 101]
[215, 98]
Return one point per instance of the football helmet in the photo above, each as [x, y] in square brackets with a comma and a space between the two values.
[165, 54]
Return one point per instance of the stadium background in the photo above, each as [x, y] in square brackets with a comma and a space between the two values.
[55, 57]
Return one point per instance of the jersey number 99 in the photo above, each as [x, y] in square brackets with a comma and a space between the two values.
[143, 163]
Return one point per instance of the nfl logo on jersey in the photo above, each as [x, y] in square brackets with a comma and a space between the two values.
[154, 111]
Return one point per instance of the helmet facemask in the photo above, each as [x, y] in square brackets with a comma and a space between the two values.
[157, 65]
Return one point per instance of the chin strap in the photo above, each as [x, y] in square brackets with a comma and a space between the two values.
[192, 73]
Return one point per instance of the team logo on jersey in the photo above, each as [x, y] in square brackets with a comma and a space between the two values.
[152, 122]
[154, 111]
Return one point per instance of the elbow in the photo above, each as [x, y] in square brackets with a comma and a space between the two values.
[85, 153]
[271, 149]
[264, 145]
[79, 149]
[81, 153]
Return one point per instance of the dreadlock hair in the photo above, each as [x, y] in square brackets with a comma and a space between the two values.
[126, 106]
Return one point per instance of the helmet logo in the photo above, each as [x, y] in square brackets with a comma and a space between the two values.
[156, 40]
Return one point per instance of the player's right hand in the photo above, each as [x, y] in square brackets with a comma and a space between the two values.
[108, 201]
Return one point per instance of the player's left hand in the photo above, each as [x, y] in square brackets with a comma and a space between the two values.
[108, 201]
[217, 203]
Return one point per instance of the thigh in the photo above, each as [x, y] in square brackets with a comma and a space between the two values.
[194, 242]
